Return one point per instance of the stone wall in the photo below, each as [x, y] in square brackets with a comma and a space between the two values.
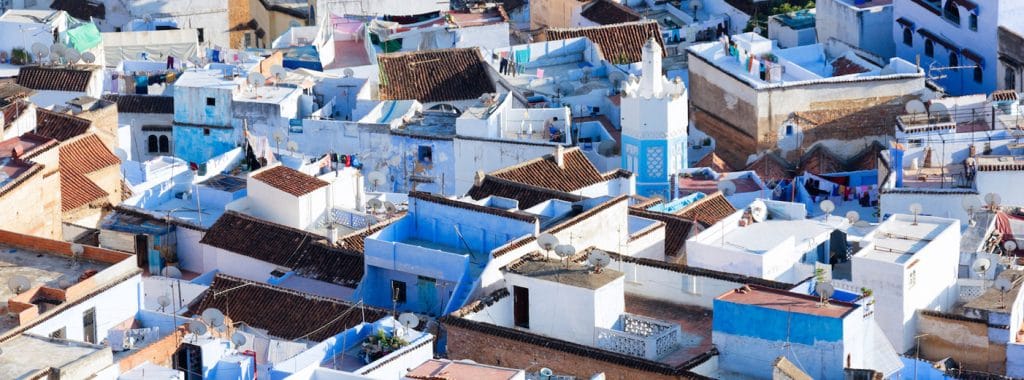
[963, 339]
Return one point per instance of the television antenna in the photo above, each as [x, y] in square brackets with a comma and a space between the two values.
[980, 266]
[171, 272]
[935, 71]
[759, 210]
[728, 188]
[827, 206]
[279, 72]
[564, 251]
[992, 201]
[213, 317]
[18, 284]
[88, 57]
[256, 80]
[348, 72]
[825, 291]
[547, 242]
[599, 259]
[853, 217]
[376, 179]
[239, 339]
[40, 51]
[76, 254]
[915, 208]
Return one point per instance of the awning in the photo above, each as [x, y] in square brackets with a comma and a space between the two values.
[970, 54]
[938, 39]
[906, 23]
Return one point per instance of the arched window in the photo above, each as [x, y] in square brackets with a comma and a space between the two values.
[929, 48]
[165, 144]
[789, 129]
[908, 37]
[153, 145]
[952, 12]
[977, 74]
[1010, 81]
[953, 61]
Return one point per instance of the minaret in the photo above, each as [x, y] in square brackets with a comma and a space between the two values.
[654, 119]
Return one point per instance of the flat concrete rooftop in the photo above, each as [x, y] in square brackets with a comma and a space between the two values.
[26, 355]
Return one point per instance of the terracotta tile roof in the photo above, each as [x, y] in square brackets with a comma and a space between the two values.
[771, 167]
[284, 313]
[86, 155]
[290, 180]
[707, 185]
[708, 210]
[819, 160]
[527, 195]
[576, 173]
[60, 126]
[142, 103]
[434, 75]
[76, 191]
[523, 217]
[31, 145]
[513, 245]
[54, 78]
[14, 110]
[844, 66]
[301, 251]
[1004, 96]
[677, 230]
[126, 190]
[618, 42]
[356, 241]
[716, 163]
[10, 92]
[606, 12]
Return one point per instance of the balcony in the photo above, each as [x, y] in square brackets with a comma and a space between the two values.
[640, 336]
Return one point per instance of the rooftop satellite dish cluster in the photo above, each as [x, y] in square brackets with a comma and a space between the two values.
[60, 54]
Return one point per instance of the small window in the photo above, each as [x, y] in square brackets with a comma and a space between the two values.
[972, 22]
[425, 155]
[61, 333]
[152, 144]
[200, 34]
[912, 279]
[1010, 80]
[397, 291]
[953, 61]
[165, 144]
[89, 325]
[206, 131]
[978, 76]
[117, 29]
[248, 39]
[211, 101]
[789, 129]
[908, 37]
[929, 48]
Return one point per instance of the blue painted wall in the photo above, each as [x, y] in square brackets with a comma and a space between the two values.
[653, 166]
[771, 324]
[192, 144]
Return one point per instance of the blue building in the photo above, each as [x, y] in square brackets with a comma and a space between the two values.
[654, 118]
[430, 260]
[202, 115]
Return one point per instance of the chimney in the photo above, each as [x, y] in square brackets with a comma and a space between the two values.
[560, 156]
[478, 178]
[332, 234]
[17, 152]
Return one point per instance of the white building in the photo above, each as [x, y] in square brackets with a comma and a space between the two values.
[909, 263]
[784, 247]
[793, 29]
[950, 33]
[863, 24]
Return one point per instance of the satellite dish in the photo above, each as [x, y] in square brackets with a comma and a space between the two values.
[938, 109]
[827, 206]
[728, 188]
[409, 320]
[971, 203]
[278, 136]
[607, 148]
[992, 200]
[915, 107]
[293, 146]
[390, 207]
[1003, 284]
[547, 242]
[88, 57]
[852, 216]
[238, 339]
[18, 284]
[55, 58]
[546, 373]
[370, 220]
[58, 48]
[197, 328]
[1009, 246]
[213, 317]
[564, 250]
[348, 73]
[170, 272]
[980, 266]
[77, 250]
[759, 210]
[64, 282]
[40, 51]
[861, 224]
[915, 208]
[279, 73]
[825, 289]
[599, 259]
[374, 204]
[72, 56]
[256, 80]
[163, 301]
[696, 5]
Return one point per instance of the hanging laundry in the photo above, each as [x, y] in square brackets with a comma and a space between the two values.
[142, 85]
[170, 63]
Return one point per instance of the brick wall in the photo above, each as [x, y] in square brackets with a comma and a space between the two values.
[731, 144]
[159, 352]
[499, 351]
[58, 247]
[238, 16]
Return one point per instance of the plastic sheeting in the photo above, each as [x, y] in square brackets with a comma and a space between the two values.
[158, 45]
[84, 37]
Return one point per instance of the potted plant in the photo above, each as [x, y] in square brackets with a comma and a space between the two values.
[381, 344]
[19, 56]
